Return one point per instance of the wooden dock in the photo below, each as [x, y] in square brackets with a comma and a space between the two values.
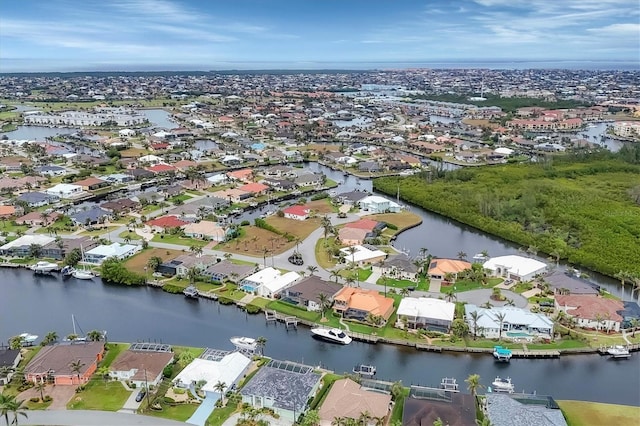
[288, 320]
[428, 347]
[361, 337]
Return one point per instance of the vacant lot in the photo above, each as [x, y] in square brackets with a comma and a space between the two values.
[254, 240]
[593, 413]
[100, 395]
[138, 262]
[298, 228]
[402, 220]
[133, 152]
[321, 207]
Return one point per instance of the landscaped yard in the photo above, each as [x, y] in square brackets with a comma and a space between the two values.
[422, 284]
[138, 262]
[359, 274]
[219, 415]
[100, 395]
[131, 235]
[324, 253]
[578, 413]
[464, 285]
[113, 350]
[179, 412]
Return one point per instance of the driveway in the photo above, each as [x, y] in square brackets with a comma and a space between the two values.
[61, 395]
[131, 406]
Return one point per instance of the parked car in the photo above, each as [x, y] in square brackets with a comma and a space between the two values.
[296, 259]
[140, 395]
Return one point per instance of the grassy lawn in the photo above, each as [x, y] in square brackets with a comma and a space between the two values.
[8, 226]
[324, 258]
[299, 228]
[175, 239]
[322, 206]
[422, 284]
[96, 232]
[359, 274]
[464, 285]
[253, 240]
[37, 405]
[138, 262]
[402, 219]
[196, 352]
[113, 350]
[579, 413]
[179, 412]
[289, 309]
[219, 415]
[100, 395]
[131, 235]
[230, 291]
[327, 381]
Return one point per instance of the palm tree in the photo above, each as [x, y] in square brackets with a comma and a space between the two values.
[325, 303]
[9, 404]
[154, 263]
[338, 421]
[220, 387]
[364, 418]
[462, 255]
[94, 336]
[473, 384]
[104, 373]
[261, 342]
[335, 274]
[423, 252]
[195, 249]
[438, 422]
[193, 274]
[75, 367]
[500, 317]
[349, 280]
[49, 338]
[623, 276]
[634, 322]
[40, 387]
[404, 292]
[312, 269]
[474, 323]
[312, 418]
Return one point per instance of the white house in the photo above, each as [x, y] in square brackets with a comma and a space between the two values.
[516, 324]
[282, 282]
[425, 312]
[253, 282]
[126, 133]
[297, 212]
[150, 159]
[217, 179]
[363, 254]
[377, 204]
[225, 367]
[65, 190]
[99, 254]
[140, 367]
[517, 268]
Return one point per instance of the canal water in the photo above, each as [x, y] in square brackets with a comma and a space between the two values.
[39, 304]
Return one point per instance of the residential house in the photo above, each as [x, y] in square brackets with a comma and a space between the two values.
[440, 268]
[310, 179]
[516, 324]
[591, 311]
[270, 289]
[141, 367]
[163, 223]
[99, 254]
[256, 280]
[353, 236]
[351, 198]
[54, 363]
[140, 174]
[424, 406]
[285, 387]
[21, 246]
[244, 175]
[50, 170]
[358, 303]
[234, 195]
[363, 254]
[162, 169]
[348, 400]
[180, 265]
[91, 216]
[65, 190]
[564, 283]
[399, 267]
[205, 230]
[297, 212]
[513, 267]
[9, 360]
[425, 312]
[228, 271]
[307, 292]
[211, 367]
[91, 183]
[376, 204]
[369, 166]
[121, 206]
[37, 199]
[279, 171]
[522, 409]
[231, 160]
[36, 218]
[217, 179]
[60, 248]
[280, 184]
[254, 188]
[118, 178]
[7, 211]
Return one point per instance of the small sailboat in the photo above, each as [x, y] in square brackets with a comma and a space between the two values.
[84, 273]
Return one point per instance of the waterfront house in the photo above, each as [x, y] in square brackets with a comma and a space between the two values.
[205, 230]
[233, 195]
[399, 267]
[91, 216]
[21, 246]
[425, 312]
[563, 283]
[254, 188]
[358, 303]
[9, 360]
[251, 283]
[353, 236]
[243, 175]
[59, 249]
[99, 254]
[591, 311]
[310, 179]
[363, 254]
[7, 211]
[280, 184]
[517, 323]
[54, 363]
[285, 387]
[425, 405]
[307, 292]
[141, 367]
[351, 198]
[297, 212]
[517, 268]
[377, 204]
[522, 409]
[348, 400]
[37, 199]
[92, 183]
[211, 367]
[121, 206]
[228, 271]
[65, 190]
[440, 268]
[181, 264]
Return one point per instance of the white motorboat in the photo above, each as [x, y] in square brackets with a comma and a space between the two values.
[502, 385]
[480, 257]
[244, 343]
[334, 335]
[191, 292]
[67, 271]
[365, 370]
[44, 266]
[28, 339]
[618, 351]
[82, 274]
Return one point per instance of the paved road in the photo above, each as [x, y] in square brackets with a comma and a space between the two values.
[92, 418]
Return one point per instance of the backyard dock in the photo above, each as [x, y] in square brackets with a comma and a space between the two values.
[288, 320]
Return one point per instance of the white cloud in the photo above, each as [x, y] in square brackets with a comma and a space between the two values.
[622, 30]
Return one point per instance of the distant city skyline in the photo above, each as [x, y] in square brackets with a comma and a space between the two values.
[128, 35]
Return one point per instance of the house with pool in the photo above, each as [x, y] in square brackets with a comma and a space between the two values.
[516, 323]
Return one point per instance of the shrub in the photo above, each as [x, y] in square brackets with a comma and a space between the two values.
[245, 223]
[261, 223]
[252, 309]
[34, 399]
[225, 300]
[173, 289]
[391, 226]
[47, 398]
[168, 400]
[167, 371]
[320, 196]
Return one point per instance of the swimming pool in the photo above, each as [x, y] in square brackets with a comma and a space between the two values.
[517, 334]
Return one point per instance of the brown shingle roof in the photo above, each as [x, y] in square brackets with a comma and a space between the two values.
[347, 399]
[152, 362]
[57, 358]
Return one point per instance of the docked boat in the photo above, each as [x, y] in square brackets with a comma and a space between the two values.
[502, 385]
[502, 354]
[619, 351]
[245, 343]
[28, 339]
[365, 370]
[480, 257]
[44, 266]
[67, 271]
[81, 274]
[191, 292]
[334, 335]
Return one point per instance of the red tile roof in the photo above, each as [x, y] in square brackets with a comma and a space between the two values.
[297, 210]
[167, 222]
[253, 187]
[366, 224]
[587, 306]
[159, 168]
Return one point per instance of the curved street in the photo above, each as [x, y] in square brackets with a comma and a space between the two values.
[91, 418]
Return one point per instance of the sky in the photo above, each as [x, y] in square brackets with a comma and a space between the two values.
[91, 35]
